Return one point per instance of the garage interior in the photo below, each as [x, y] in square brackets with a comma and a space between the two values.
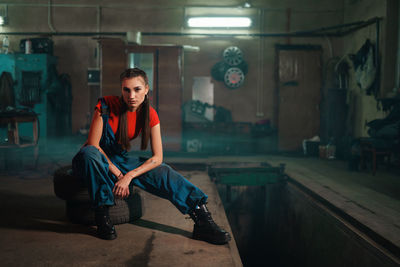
[291, 125]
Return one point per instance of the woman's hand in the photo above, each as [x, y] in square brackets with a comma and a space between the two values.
[121, 187]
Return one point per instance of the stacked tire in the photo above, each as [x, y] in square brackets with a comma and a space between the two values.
[78, 204]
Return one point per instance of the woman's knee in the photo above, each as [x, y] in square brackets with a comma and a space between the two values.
[89, 153]
[86, 156]
[164, 169]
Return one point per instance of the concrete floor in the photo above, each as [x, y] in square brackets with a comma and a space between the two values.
[35, 231]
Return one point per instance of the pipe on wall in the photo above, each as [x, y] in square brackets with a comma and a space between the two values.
[320, 32]
[259, 93]
[49, 20]
[98, 25]
[377, 60]
[397, 73]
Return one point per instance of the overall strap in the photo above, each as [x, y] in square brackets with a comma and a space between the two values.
[108, 142]
[105, 114]
[105, 110]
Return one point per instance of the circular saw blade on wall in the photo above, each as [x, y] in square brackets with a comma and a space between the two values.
[234, 78]
[233, 55]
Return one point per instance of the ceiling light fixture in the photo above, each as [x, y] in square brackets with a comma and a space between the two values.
[219, 22]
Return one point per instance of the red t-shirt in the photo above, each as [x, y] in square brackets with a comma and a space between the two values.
[114, 105]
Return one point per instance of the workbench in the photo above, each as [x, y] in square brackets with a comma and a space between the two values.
[12, 121]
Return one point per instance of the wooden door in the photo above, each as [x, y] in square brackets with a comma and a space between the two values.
[299, 87]
[170, 95]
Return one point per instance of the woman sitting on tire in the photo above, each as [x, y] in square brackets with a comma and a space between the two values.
[103, 164]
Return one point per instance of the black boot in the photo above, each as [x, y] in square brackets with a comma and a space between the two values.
[105, 228]
[206, 229]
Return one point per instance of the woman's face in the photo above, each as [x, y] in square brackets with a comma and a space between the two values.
[133, 92]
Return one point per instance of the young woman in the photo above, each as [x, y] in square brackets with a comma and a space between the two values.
[103, 163]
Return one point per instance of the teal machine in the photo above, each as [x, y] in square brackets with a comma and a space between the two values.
[32, 75]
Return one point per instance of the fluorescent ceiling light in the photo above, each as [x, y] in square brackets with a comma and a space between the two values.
[219, 22]
[3, 14]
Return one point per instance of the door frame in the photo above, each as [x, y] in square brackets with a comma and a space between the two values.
[149, 50]
[278, 48]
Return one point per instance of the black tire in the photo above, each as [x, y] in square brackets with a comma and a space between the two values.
[218, 70]
[124, 210]
[67, 186]
[78, 204]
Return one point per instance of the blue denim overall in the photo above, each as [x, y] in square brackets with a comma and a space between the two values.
[92, 167]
